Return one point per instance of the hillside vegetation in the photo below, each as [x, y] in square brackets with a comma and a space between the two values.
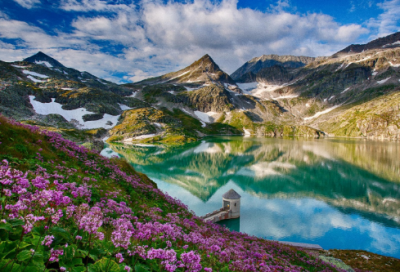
[65, 208]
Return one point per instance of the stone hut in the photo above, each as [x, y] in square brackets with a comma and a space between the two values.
[231, 201]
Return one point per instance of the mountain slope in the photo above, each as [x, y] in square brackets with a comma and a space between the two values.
[42, 86]
[322, 93]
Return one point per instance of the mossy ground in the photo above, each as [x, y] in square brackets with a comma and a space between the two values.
[361, 260]
[367, 119]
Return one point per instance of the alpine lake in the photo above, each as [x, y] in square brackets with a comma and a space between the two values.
[337, 193]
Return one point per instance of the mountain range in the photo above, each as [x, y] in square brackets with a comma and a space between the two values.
[353, 93]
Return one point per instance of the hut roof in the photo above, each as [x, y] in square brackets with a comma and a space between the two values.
[231, 194]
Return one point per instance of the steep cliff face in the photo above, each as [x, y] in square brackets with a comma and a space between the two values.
[212, 98]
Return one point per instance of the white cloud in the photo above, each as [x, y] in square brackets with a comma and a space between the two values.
[92, 5]
[28, 3]
[158, 37]
[179, 33]
[388, 21]
[137, 75]
[97, 63]
[122, 28]
[33, 37]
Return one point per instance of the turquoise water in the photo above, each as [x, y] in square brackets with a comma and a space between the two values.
[342, 194]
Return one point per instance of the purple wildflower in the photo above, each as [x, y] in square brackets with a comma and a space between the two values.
[54, 254]
[92, 220]
[48, 240]
[119, 257]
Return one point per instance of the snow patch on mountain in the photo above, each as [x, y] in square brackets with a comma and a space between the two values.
[203, 116]
[35, 80]
[248, 86]
[56, 108]
[124, 107]
[383, 80]
[391, 44]
[34, 74]
[263, 90]
[394, 65]
[321, 113]
[134, 94]
[18, 66]
[44, 63]
[346, 90]
[340, 67]
[178, 76]
[193, 89]
[367, 58]
[289, 96]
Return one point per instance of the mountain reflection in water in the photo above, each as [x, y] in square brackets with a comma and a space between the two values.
[337, 193]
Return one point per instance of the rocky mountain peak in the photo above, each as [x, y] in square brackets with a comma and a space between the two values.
[255, 65]
[43, 59]
[205, 64]
[203, 70]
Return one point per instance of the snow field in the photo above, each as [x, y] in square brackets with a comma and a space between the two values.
[321, 113]
[56, 108]
[34, 74]
[44, 63]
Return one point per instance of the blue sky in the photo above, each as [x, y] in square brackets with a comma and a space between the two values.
[125, 40]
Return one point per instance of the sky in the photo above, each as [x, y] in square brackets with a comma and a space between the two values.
[127, 41]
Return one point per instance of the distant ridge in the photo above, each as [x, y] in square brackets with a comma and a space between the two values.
[42, 58]
[253, 66]
[390, 41]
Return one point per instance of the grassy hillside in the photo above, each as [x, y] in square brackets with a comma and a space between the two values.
[65, 208]
[379, 117]
[168, 126]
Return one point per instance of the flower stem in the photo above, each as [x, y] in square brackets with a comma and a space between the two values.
[40, 238]
[20, 240]
[87, 256]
